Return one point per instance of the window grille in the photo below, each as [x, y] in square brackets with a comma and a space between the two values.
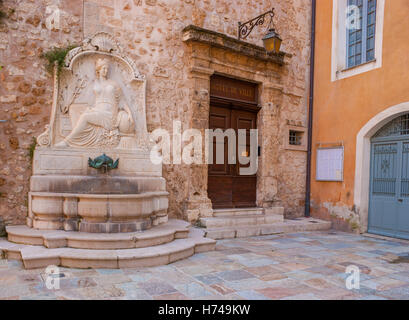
[397, 127]
[295, 138]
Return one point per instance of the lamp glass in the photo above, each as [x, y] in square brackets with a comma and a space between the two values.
[278, 42]
[272, 41]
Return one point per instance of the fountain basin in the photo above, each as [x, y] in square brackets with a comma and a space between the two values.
[101, 184]
[97, 213]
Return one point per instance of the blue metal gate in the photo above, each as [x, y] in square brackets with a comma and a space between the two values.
[389, 193]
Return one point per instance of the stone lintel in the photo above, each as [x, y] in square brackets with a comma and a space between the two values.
[193, 33]
[273, 86]
[200, 72]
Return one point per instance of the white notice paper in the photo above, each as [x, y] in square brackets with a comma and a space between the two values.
[330, 164]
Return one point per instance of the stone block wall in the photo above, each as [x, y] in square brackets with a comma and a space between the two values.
[150, 31]
[2, 228]
[29, 29]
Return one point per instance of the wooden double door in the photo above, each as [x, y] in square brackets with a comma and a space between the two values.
[226, 187]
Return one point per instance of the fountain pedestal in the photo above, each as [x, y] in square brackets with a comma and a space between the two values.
[67, 194]
[92, 169]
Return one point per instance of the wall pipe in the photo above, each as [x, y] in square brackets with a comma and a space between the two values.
[310, 111]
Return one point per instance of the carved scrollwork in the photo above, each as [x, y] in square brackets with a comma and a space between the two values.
[44, 139]
[246, 28]
[71, 54]
[104, 43]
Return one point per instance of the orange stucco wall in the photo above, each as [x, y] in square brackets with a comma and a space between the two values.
[343, 107]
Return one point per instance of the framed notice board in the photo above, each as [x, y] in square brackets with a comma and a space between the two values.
[330, 164]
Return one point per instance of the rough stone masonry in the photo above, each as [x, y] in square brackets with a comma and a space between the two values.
[151, 33]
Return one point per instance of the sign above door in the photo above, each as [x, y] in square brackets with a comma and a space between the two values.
[233, 89]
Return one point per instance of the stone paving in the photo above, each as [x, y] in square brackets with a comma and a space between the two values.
[308, 265]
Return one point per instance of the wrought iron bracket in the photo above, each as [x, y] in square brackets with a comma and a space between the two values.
[246, 28]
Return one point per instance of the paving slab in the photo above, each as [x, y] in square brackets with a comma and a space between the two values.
[254, 268]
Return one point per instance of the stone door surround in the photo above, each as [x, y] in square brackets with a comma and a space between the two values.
[212, 53]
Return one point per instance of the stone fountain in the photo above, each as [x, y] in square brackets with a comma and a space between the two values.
[96, 199]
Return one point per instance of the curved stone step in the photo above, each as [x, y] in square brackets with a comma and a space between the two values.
[40, 257]
[174, 229]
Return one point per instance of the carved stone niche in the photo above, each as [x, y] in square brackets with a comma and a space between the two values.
[78, 90]
[99, 107]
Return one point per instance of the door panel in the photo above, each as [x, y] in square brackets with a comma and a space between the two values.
[244, 120]
[244, 191]
[220, 118]
[244, 187]
[226, 188]
[403, 201]
[219, 190]
[389, 196]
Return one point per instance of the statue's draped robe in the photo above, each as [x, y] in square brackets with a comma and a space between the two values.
[95, 122]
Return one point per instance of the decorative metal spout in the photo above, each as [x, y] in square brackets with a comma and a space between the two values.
[103, 162]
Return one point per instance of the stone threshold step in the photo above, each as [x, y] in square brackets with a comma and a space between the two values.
[288, 226]
[40, 257]
[237, 212]
[244, 220]
[234, 212]
[174, 229]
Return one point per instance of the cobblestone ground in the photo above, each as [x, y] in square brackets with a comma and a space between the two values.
[293, 266]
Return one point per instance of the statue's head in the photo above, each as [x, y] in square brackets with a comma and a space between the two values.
[102, 67]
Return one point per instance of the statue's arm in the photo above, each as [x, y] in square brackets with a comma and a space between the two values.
[118, 95]
[125, 106]
[129, 112]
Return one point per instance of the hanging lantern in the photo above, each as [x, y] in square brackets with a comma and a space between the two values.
[272, 41]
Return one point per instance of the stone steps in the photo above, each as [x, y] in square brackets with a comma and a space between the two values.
[40, 257]
[174, 229]
[287, 226]
[237, 212]
[227, 218]
[240, 220]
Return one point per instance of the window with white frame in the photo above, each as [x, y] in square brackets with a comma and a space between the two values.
[356, 37]
[361, 22]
